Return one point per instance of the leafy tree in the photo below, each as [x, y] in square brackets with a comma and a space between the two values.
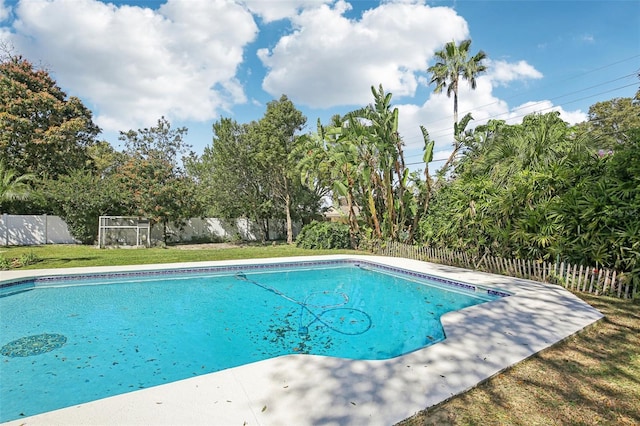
[424, 188]
[230, 181]
[105, 158]
[543, 189]
[157, 187]
[452, 64]
[599, 210]
[611, 122]
[42, 132]
[277, 135]
[82, 197]
[324, 235]
[384, 170]
[330, 161]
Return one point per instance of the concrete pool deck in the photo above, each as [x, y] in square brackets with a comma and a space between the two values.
[481, 341]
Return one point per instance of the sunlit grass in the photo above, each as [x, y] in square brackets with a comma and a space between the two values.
[68, 256]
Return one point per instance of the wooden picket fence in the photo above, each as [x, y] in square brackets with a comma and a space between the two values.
[581, 278]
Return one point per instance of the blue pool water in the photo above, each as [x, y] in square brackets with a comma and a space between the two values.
[69, 341]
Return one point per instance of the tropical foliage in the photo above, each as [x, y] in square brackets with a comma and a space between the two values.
[543, 190]
[360, 158]
[13, 186]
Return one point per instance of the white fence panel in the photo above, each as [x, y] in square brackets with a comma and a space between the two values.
[27, 230]
[224, 229]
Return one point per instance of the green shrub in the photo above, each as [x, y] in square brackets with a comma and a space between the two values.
[29, 259]
[324, 235]
[4, 263]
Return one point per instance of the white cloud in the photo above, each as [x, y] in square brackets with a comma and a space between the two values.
[587, 38]
[502, 72]
[136, 64]
[329, 60]
[271, 11]
[5, 11]
[542, 107]
[131, 65]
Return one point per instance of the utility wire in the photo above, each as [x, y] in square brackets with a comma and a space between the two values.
[543, 87]
[528, 107]
[446, 131]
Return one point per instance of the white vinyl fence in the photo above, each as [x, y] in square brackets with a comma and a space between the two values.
[223, 229]
[29, 230]
[25, 230]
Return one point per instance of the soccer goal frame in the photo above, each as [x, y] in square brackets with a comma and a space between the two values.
[127, 231]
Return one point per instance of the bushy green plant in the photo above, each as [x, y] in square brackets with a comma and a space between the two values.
[4, 263]
[29, 259]
[324, 235]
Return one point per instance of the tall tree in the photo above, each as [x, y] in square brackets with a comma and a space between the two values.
[152, 177]
[611, 122]
[42, 131]
[277, 134]
[383, 152]
[230, 181]
[453, 63]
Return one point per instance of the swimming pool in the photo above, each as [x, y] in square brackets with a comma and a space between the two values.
[72, 339]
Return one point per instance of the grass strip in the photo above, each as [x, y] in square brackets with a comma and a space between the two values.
[69, 256]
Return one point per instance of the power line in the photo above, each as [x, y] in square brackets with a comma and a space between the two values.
[445, 132]
[575, 77]
[616, 133]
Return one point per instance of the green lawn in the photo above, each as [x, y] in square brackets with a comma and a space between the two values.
[67, 256]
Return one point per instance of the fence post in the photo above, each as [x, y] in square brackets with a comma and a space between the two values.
[606, 282]
[6, 229]
[579, 282]
[593, 276]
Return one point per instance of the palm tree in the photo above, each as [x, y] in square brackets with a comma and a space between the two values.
[453, 62]
[13, 187]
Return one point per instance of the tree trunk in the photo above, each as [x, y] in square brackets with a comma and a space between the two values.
[164, 231]
[265, 230]
[390, 206]
[374, 215]
[287, 207]
[354, 229]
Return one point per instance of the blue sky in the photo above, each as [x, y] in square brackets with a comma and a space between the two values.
[195, 61]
